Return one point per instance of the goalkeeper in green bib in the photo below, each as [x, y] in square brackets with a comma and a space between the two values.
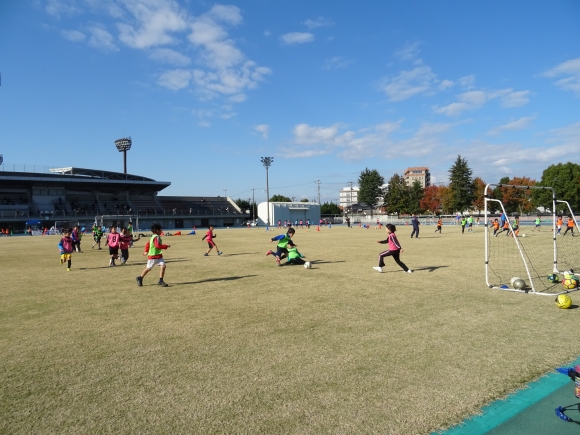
[284, 240]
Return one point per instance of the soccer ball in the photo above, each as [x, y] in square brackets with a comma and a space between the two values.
[308, 265]
[519, 284]
[563, 301]
[515, 278]
[570, 283]
[553, 278]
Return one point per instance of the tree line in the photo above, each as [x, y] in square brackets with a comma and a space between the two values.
[464, 193]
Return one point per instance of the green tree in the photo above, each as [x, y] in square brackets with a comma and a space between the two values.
[304, 200]
[565, 179]
[461, 185]
[280, 198]
[397, 195]
[478, 190]
[243, 204]
[370, 182]
[329, 208]
[416, 192]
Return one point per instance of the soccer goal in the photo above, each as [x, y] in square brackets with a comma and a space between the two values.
[60, 226]
[529, 251]
[120, 221]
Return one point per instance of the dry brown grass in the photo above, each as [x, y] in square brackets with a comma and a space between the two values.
[238, 345]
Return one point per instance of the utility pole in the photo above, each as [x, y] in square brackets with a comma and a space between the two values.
[253, 203]
[350, 183]
[318, 182]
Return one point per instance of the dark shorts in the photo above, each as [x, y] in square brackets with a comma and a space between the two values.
[114, 251]
[210, 244]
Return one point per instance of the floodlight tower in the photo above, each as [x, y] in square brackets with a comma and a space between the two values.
[124, 145]
[267, 162]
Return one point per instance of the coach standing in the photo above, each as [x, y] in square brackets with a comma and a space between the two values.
[415, 223]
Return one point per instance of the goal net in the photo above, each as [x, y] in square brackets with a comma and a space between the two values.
[525, 247]
[60, 226]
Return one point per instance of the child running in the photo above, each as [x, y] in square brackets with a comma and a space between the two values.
[283, 241]
[393, 251]
[569, 226]
[209, 235]
[97, 235]
[154, 251]
[113, 241]
[559, 223]
[439, 225]
[66, 247]
[76, 236]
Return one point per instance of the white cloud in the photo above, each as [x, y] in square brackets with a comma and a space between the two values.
[73, 35]
[571, 69]
[61, 7]
[512, 126]
[229, 81]
[410, 52]
[175, 79]
[319, 22]
[264, 129]
[154, 21]
[473, 100]
[336, 62]
[102, 40]
[467, 81]
[297, 38]
[408, 83]
[172, 57]
[446, 84]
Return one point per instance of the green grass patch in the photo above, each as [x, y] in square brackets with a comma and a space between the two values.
[238, 345]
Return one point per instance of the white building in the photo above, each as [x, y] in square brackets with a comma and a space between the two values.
[294, 211]
[348, 196]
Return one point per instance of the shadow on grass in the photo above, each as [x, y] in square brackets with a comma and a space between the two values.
[326, 262]
[227, 278]
[429, 268]
[240, 253]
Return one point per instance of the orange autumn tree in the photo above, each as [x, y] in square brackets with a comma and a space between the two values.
[518, 200]
[431, 200]
[446, 199]
[478, 188]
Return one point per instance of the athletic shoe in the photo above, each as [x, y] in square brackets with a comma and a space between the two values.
[269, 252]
[93, 247]
[206, 255]
[139, 281]
[409, 271]
[278, 262]
[378, 269]
[68, 269]
[99, 249]
[162, 284]
[220, 253]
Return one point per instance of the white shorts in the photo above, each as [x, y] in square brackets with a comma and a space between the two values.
[155, 261]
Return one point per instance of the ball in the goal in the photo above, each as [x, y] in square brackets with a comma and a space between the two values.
[563, 301]
[515, 278]
[308, 265]
[519, 284]
[553, 278]
[570, 283]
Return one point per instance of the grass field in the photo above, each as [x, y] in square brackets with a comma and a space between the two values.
[236, 345]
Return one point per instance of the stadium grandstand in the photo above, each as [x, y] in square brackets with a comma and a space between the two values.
[78, 196]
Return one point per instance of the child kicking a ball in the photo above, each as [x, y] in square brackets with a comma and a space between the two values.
[154, 251]
[393, 251]
[295, 257]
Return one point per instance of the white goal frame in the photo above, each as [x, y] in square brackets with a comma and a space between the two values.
[488, 199]
[126, 217]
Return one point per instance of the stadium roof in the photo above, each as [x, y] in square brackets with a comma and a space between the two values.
[97, 173]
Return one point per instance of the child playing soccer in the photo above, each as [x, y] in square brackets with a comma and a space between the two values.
[439, 224]
[295, 257]
[154, 251]
[66, 247]
[125, 241]
[97, 235]
[559, 223]
[283, 241]
[76, 236]
[569, 226]
[209, 235]
[393, 251]
[113, 240]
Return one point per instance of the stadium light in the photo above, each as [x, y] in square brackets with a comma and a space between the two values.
[267, 162]
[124, 145]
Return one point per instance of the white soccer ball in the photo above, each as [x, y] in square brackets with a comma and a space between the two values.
[523, 235]
[308, 265]
[515, 278]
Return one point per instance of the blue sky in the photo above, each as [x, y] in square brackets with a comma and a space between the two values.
[326, 88]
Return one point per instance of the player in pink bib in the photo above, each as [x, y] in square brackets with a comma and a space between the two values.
[393, 251]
